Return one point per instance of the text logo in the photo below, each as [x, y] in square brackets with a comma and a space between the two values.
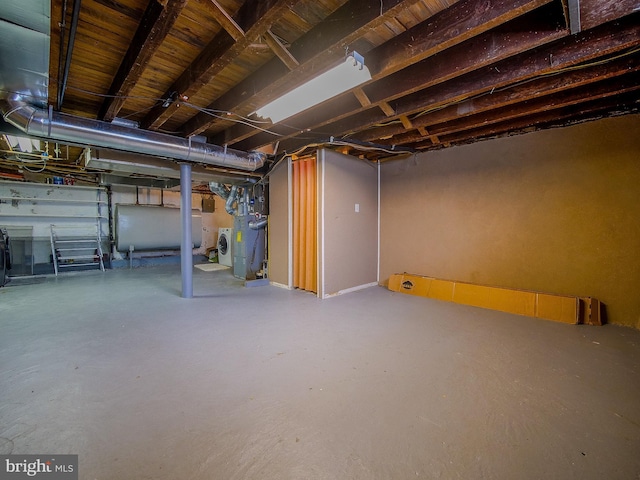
[45, 467]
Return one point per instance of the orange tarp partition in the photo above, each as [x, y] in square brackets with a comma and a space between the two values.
[305, 259]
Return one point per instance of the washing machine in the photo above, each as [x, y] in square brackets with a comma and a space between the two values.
[225, 246]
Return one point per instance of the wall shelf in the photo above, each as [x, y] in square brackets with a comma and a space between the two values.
[54, 200]
[49, 215]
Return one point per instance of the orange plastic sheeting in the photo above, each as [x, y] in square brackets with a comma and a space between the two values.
[305, 261]
[560, 308]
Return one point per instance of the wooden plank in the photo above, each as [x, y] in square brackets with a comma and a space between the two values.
[254, 18]
[425, 133]
[543, 86]
[584, 47]
[226, 21]
[279, 49]
[523, 34]
[464, 20]
[605, 86]
[387, 109]
[528, 32]
[597, 12]
[154, 27]
[553, 117]
[316, 51]
[561, 55]
[362, 97]
[406, 123]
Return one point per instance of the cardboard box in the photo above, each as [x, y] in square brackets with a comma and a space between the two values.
[559, 308]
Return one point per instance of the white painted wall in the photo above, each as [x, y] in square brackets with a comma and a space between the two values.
[29, 209]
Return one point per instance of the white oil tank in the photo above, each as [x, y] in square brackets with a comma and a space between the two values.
[152, 227]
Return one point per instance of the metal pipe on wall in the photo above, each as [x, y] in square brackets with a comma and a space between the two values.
[186, 246]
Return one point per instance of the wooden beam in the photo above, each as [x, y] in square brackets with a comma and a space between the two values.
[254, 18]
[463, 20]
[568, 52]
[280, 50]
[156, 23]
[406, 123]
[597, 12]
[387, 109]
[318, 49]
[542, 87]
[552, 117]
[527, 32]
[572, 51]
[226, 21]
[516, 112]
[362, 97]
[425, 133]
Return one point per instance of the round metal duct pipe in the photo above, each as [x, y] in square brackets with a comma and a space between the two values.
[57, 126]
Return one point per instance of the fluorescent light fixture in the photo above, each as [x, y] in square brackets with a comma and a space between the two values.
[349, 74]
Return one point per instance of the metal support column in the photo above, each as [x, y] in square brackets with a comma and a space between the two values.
[186, 244]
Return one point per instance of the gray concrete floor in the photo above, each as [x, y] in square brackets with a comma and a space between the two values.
[264, 383]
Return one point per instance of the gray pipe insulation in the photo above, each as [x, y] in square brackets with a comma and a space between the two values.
[258, 223]
[61, 127]
[230, 197]
[219, 189]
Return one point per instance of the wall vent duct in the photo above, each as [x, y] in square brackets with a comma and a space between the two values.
[125, 163]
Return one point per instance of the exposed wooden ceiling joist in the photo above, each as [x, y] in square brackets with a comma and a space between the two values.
[254, 18]
[227, 22]
[280, 50]
[444, 72]
[156, 23]
[315, 51]
[497, 100]
[557, 58]
[403, 71]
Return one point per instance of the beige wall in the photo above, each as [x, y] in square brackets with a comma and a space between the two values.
[349, 239]
[555, 211]
[349, 259]
[279, 225]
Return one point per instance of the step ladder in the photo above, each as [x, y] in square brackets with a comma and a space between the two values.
[71, 247]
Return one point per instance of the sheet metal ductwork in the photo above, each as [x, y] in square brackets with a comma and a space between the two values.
[135, 163]
[231, 199]
[60, 127]
[230, 196]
